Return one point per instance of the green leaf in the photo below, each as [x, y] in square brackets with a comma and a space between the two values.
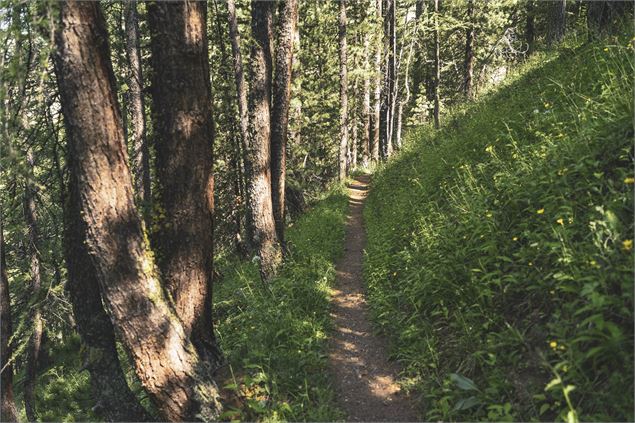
[463, 382]
[465, 403]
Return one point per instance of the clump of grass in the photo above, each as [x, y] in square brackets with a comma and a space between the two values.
[499, 252]
[274, 336]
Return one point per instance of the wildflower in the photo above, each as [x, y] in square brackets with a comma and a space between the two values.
[627, 244]
[594, 264]
[489, 149]
[540, 211]
[560, 221]
[515, 238]
[531, 263]
[629, 181]
[547, 105]
[570, 220]
[394, 274]
[488, 214]
[553, 345]
[606, 49]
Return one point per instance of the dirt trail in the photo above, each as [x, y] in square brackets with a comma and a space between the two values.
[364, 378]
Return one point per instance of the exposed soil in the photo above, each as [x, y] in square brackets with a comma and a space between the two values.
[364, 379]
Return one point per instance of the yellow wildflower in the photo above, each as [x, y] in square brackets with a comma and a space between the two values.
[606, 49]
[560, 221]
[627, 244]
[629, 181]
[547, 105]
[515, 238]
[540, 211]
[488, 214]
[553, 345]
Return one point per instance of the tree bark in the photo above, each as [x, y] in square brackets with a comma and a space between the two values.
[375, 145]
[437, 65]
[366, 103]
[343, 92]
[181, 103]
[241, 95]
[35, 313]
[8, 412]
[257, 163]
[280, 111]
[557, 22]
[175, 377]
[140, 147]
[114, 401]
[469, 50]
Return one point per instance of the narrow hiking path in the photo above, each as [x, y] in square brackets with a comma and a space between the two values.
[364, 378]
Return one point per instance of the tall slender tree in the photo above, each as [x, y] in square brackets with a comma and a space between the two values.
[437, 66]
[35, 313]
[287, 24]
[175, 377]
[469, 50]
[343, 146]
[530, 32]
[181, 103]
[140, 147]
[258, 158]
[241, 95]
[366, 116]
[8, 412]
[375, 147]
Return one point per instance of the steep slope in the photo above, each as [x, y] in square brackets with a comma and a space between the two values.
[499, 253]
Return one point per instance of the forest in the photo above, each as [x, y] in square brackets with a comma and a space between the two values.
[338, 210]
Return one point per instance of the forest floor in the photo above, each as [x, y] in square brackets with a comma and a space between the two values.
[364, 379]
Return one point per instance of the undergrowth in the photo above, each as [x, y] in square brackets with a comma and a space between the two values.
[274, 336]
[500, 249]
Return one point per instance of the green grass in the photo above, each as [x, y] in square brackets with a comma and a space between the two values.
[275, 337]
[499, 255]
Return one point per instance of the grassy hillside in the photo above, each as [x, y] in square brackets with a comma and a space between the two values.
[500, 255]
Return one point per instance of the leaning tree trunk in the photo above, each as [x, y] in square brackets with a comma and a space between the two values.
[175, 377]
[375, 144]
[35, 313]
[557, 21]
[437, 65]
[140, 148]
[243, 111]
[343, 93]
[366, 103]
[114, 401]
[469, 50]
[182, 113]
[257, 163]
[8, 412]
[280, 111]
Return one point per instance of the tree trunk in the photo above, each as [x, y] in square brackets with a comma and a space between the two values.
[437, 65]
[387, 103]
[181, 103]
[469, 50]
[280, 111]
[366, 103]
[375, 145]
[393, 79]
[35, 314]
[530, 32]
[241, 95]
[257, 163]
[8, 412]
[234, 155]
[140, 148]
[114, 401]
[343, 92]
[557, 22]
[175, 377]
